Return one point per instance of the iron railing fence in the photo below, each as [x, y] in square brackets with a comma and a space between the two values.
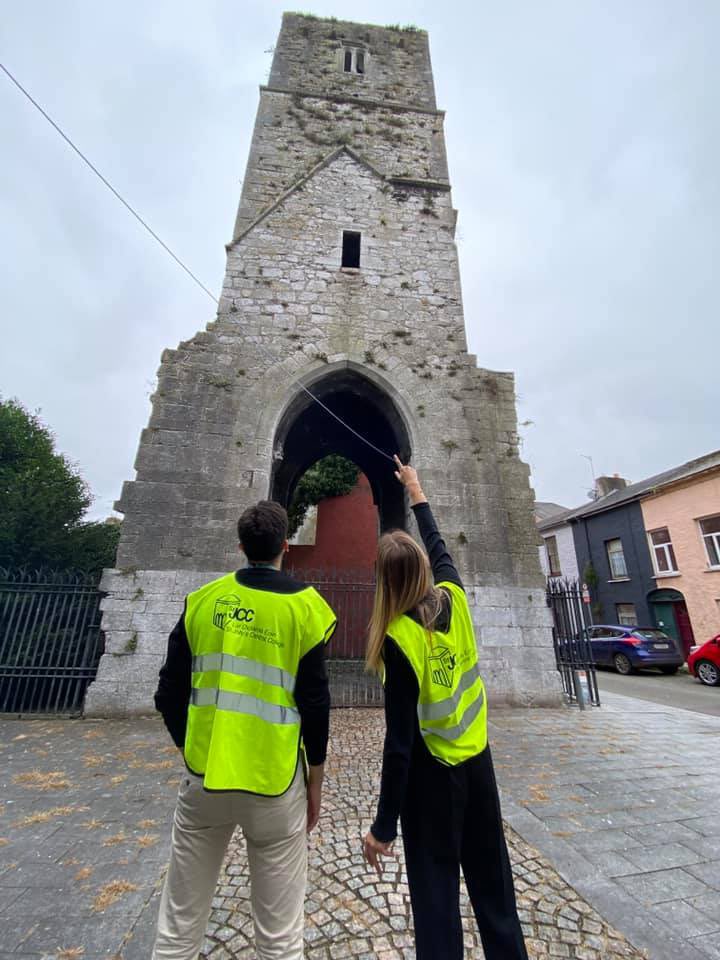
[568, 604]
[350, 593]
[50, 640]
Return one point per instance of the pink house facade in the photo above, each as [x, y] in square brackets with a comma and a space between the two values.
[682, 520]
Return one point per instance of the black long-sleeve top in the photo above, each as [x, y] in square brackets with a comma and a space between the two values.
[405, 752]
[312, 695]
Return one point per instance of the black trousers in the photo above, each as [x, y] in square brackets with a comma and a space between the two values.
[462, 829]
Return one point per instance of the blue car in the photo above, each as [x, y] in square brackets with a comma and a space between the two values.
[628, 649]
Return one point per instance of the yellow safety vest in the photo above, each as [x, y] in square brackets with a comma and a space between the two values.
[452, 706]
[243, 728]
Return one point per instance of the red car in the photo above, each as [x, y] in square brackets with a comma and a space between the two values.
[704, 662]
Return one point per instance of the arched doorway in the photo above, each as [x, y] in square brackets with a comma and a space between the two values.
[671, 615]
[306, 434]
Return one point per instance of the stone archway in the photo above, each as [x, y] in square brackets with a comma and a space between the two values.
[306, 432]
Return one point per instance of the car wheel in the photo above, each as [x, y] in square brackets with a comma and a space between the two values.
[707, 673]
[622, 664]
[669, 671]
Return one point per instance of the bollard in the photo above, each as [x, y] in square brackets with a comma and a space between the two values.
[582, 690]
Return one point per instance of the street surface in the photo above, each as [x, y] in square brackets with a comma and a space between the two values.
[623, 801]
[682, 690]
[85, 824]
[612, 829]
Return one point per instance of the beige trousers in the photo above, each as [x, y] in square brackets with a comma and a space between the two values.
[275, 833]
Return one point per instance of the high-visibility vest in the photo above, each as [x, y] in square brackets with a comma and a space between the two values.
[452, 706]
[243, 727]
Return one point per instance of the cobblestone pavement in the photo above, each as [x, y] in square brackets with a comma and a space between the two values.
[352, 914]
[624, 802]
[87, 805]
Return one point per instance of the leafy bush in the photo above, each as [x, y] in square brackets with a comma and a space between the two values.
[333, 476]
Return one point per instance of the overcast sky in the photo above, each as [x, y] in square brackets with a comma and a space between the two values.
[583, 148]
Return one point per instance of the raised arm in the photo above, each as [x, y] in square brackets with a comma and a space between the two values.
[441, 562]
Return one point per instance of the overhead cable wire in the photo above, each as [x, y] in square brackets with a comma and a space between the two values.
[107, 183]
[174, 256]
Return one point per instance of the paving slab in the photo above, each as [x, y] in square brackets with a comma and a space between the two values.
[633, 829]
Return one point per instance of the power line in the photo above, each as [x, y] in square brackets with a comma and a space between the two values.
[107, 183]
[167, 249]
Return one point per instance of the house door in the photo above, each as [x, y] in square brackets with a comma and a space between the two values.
[671, 615]
[687, 638]
[664, 613]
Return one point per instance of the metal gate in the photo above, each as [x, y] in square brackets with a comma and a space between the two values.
[573, 651]
[350, 594]
[50, 641]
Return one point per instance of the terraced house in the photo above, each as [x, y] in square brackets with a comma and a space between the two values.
[650, 551]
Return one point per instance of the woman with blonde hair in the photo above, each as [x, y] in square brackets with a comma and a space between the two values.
[437, 773]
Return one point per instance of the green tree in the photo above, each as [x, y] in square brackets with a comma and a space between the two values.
[333, 476]
[43, 500]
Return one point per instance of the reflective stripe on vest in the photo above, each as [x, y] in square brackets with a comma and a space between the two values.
[243, 703]
[452, 733]
[452, 707]
[242, 667]
[427, 712]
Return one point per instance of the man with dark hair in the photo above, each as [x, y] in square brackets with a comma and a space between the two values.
[262, 531]
[244, 694]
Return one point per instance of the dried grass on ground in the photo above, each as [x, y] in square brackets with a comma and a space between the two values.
[112, 892]
[42, 780]
[147, 840]
[42, 816]
[118, 838]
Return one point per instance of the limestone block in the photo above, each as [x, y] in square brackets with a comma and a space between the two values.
[155, 622]
[107, 698]
[501, 636]
[166, 607]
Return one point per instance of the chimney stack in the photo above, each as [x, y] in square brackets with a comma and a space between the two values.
[606, 485]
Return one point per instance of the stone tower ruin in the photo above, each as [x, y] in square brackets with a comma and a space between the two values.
[342, 280]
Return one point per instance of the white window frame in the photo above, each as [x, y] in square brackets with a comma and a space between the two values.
[624, 622]
[714, 537]
[613, 574]
[558, 571]
[668, 551]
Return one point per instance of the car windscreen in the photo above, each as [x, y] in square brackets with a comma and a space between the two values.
[651, 634]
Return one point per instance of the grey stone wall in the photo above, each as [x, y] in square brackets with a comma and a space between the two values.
[139, 611]
[397, 61]
[293, 133]
[290, 314]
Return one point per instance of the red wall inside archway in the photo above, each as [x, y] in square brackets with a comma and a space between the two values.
[346, 536]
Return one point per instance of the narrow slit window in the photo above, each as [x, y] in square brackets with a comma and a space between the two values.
[348, 61]
[351, 249]
[359, 62]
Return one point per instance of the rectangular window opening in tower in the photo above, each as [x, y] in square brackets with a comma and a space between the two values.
[354, 60]
[351, 249]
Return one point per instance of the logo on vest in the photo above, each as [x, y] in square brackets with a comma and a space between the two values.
[442, 665]
[229, 610]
